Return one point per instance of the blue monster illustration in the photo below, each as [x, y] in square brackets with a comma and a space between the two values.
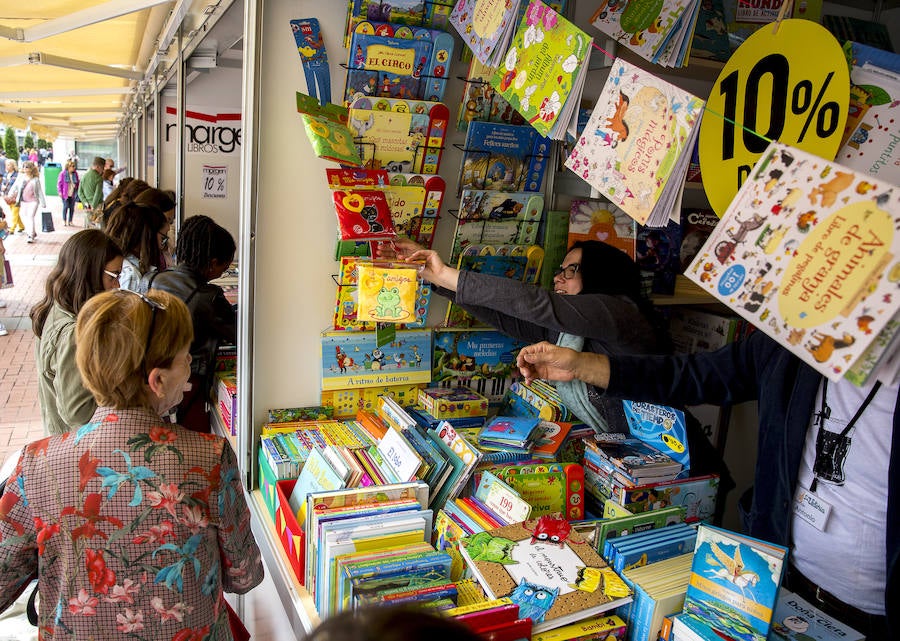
[534, 600]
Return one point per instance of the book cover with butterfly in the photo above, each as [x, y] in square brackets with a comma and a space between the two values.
[545, 567]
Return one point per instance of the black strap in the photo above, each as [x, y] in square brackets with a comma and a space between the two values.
[30, 609]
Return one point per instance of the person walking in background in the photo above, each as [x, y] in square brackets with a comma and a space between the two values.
[89, 263]
[29, 195]
[67, 188]
[134, 527]
[3, 283]
[204, 251]
[90, 192]
[108, 175]
[140, 231]
[8, 200]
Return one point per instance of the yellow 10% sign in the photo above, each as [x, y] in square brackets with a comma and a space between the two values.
[788, 82]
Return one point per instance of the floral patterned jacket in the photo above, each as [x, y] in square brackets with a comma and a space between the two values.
[134, 528]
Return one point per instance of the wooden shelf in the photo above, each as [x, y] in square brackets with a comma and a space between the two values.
[686, 293]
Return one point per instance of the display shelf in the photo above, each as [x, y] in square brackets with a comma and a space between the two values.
[297, 603]
[686, 293]
[219, 428]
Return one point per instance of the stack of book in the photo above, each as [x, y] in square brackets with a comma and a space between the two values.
[642, 548]
[510, 433]
[659, 590]
[631, 460]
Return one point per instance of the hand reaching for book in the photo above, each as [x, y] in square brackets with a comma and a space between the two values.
[431, 267]
[554, 363]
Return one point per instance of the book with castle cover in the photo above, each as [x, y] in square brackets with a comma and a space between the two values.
[734, 583]
[603, 221]
[485, 27]
[481, 102]
[503, 157]
[807, 252]
[547, 569]
[636, 147]
[543, 71]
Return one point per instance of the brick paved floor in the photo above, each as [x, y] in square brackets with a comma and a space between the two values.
[20, 413]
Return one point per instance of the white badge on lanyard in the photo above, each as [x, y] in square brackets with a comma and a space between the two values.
[811, 508]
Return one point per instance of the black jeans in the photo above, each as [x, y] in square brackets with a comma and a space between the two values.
[68, 207]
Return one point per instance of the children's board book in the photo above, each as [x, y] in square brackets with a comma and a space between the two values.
[387, 294]
[542, 73]
[554, 576]
[503, 157]
[661, 426]
[488, 217]
[481, 102]
[346, 309]
[415, 202]
[482, 359]
[354, 359]
[433, 14]
[798, 620]
[326, 128]
[807, 252]
[317, 475]
[734, 583]
[636, 147]
[399, 135]
[485, 27]
[410, 63]
[639, 27]
[362, 214]
[603, 221]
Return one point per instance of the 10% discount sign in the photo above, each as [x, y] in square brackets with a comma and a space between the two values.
[789, 82]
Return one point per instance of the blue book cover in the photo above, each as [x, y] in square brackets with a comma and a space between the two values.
[734, 582]
[387, 67]
[662, 427]
[665, 548]
[503, 157]
[512, 431]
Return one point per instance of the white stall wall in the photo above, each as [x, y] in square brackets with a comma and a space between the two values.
[209, 143]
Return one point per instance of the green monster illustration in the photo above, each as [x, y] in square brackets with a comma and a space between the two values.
[484, 547]
[389, 304]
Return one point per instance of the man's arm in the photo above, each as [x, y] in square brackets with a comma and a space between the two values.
[554, 363]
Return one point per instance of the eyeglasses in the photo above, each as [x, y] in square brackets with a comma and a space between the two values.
[568, 272]
[155, 306]
[114, 275]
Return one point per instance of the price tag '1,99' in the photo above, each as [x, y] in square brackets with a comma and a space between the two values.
[792, 86]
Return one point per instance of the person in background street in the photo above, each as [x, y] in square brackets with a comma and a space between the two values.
[8, 199]
[23, 155]
[90, 193]
[67, 188]
[108, 175]
[111, 165]
[3, 331]
[89, 263]
[42, 156]
[33, 156]
[29, 195]
[2, 164]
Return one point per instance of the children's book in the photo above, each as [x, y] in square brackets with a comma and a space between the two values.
[326, 128]
[346, 309]
[387, 294]
[363, 214]
[317, 475]
[657, 252]
[503, 157]
[548, 570]
[551, 438]
[798, 620]
[636, 458]
[481, 102]
[509, 432]
[415, 202]
[734, 583]
[711, 33]
[483, 359]
[484, 259]
[607, 628]
[502, 500]
[485, 27]
[655, 519]
[364, 14]
[488, 217]
[646, 30]
[661, 426]
[399, 135]
[603, 221]
[807, 253]
[697, 223]
[550, 488]
[636, 147]
[542, 73]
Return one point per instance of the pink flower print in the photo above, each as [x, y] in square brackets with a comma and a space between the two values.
[193, 518]
[239, 573]
[100, 576]
[123, 593]
[130, 621]
[166, 498]
[533, 14]
[175, 613]
[550, 19]
[585, 174]
[84, 603]
[156, 533]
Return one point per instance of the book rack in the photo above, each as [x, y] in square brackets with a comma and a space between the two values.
[423, 155]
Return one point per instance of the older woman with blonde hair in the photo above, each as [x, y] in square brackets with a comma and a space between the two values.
[29, 193]
[132, 525]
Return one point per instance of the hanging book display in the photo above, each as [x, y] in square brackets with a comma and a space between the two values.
[399, 135]
[481, 102]
[386, 294]
[410, 63]
[346, 309]
[496, 218]
[486, 27]
[807, 252]
[432, 14]
[326, 128]
[502, 157]
[415, 202]
[542, 74]
[363, 214]
[636, 147]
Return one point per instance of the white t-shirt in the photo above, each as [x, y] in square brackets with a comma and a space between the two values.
[848, 558]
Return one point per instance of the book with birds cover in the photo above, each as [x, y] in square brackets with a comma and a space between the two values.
[734, 583]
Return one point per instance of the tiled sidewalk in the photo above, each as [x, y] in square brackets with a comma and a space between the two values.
[20, 414]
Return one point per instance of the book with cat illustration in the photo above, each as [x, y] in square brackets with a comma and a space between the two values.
[807, 252]
[547, 569]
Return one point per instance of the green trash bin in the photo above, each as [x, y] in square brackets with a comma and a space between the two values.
[49, 175]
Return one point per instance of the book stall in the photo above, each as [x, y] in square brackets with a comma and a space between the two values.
[398, 455]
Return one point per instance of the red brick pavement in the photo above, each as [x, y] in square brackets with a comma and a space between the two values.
[20, 413]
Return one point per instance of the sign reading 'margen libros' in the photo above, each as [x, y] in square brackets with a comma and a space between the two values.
[207, 133]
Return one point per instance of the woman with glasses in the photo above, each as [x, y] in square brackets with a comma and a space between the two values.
[140, 230]
[134, 527]
[596, 305]
[163, 200]
[89, 263]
